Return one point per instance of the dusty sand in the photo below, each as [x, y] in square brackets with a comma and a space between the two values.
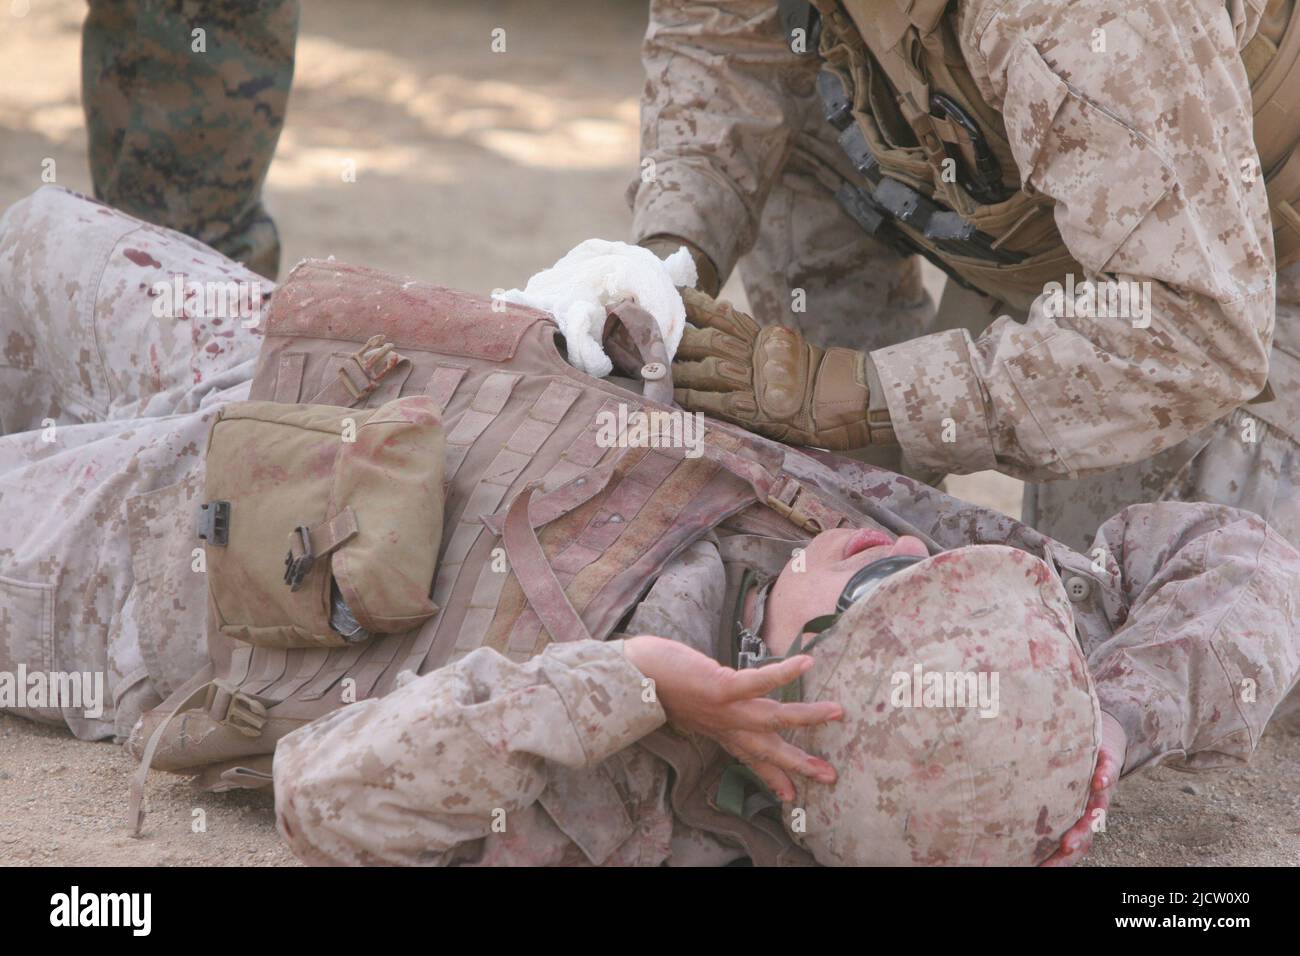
[472, 169]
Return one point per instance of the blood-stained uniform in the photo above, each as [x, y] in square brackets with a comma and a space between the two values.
[1186, 605]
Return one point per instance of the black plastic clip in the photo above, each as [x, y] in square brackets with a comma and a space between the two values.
[985, 180]
[214, 522]
[298, 566]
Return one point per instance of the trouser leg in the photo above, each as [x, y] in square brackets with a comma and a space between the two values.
[184, 106]
[106, 400]
[104, 317]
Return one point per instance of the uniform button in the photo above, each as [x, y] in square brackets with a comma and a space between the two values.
[1077, 589]
[653, 371]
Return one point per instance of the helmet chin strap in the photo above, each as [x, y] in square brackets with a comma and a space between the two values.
[753, 650]
[740, 791]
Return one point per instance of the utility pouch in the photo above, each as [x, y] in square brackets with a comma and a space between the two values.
[322, 523]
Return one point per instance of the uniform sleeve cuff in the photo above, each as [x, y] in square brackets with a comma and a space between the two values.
[610, 703]
[936, 403]
[674, 204]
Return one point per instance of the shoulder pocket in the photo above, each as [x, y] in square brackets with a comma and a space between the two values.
[1105, 176]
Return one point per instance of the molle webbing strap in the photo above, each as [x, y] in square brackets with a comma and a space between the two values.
[342, 660]
[591, 553]
[443, 384]
[237, 666]
[536, 576]
[302, 664]
[584, 452]
[288, 378]
[486, 405]
[265, 667]
[519, 451]
[572, 494]
[572, 481]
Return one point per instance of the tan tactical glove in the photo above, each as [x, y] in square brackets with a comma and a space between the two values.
[769, 380]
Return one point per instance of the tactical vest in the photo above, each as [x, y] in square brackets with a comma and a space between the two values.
[897, 86]
[548, 532]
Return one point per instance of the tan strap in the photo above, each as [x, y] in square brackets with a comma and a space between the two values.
[245, 773]
[308, 545]
[558, 502]
[656, 370]
[328, 537]
[536, 576]
[785, 495]
[189, 693]
[443, 384]
[288, 378]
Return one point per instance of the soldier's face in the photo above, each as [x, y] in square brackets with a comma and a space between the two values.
[811, 582]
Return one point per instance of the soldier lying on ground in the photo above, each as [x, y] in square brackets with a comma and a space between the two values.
[575, 704]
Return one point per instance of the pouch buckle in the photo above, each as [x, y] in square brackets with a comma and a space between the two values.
[298, 564]
[234, 709]
[367, 361]
[794, 510]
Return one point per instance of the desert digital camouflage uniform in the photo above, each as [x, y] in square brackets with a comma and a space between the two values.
[1141, 150]
[1185, 604]
[1250, 459]
[183, 137]
[491, 762]
[104, 415]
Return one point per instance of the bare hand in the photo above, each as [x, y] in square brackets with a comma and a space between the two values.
[701, 696]
[1077, 841]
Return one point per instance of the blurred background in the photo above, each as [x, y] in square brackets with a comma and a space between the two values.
[473, 169]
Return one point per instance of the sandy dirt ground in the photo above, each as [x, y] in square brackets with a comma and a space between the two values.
[475, 170]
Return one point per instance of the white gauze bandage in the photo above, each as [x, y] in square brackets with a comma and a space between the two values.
[596, 274]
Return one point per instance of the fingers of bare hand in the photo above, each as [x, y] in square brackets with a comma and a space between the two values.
[767, 714]
[1108, 767]
[711, 374]
[773, 778]
[761, 681]
[773, 749]
[1062, 858]
[1075, 845]
[730, 406]
[701, 343]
